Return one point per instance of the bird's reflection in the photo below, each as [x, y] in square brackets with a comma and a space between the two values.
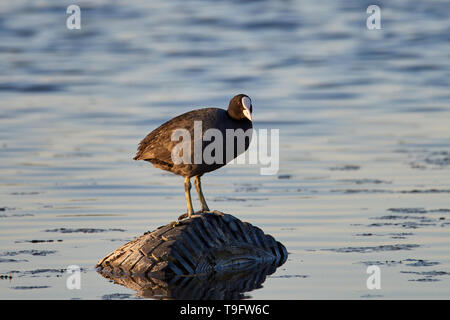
[211, 286]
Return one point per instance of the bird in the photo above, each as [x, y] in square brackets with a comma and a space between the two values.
[232, 133]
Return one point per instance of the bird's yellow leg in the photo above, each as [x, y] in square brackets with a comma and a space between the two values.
[187, 191]
[198, 186]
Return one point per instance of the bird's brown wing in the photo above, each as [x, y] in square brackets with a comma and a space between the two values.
[158, 144]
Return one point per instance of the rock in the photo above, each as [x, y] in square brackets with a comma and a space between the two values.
[212, 242]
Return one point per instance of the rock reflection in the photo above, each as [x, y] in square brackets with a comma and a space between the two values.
[210, 286]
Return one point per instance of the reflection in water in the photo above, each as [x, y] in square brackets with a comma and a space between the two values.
[210, 286]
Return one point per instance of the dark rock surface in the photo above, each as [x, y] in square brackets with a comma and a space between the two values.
[212, 242]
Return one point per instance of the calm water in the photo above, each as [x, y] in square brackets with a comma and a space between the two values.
[364, 119]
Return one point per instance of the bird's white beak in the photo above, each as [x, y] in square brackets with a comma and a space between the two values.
[247, 114]
[246, 103]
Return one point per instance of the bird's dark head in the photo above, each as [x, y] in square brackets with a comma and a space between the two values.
[240, 107]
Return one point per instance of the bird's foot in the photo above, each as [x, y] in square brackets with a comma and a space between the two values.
[204, 210]
[197, 214]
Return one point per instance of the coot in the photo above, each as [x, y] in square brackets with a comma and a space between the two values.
[229, 136]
